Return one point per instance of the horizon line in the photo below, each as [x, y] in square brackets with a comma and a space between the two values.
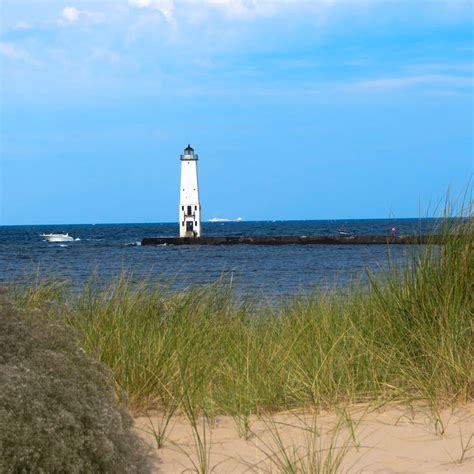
[227, 222]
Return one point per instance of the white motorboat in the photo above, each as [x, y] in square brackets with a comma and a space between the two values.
[57, 237]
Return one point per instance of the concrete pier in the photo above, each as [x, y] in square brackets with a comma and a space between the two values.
[294, 240]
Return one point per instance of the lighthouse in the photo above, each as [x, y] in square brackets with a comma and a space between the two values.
[189, 205]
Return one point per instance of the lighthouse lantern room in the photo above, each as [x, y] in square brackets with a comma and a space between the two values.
[189, 205]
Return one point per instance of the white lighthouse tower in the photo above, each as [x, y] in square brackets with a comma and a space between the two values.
[189, 205]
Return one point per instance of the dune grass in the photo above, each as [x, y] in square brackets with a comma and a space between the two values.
[407, 335]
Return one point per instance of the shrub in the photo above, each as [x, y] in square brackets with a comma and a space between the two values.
[58, 411]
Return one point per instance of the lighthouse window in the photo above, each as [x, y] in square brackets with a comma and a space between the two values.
[195, 223]
[182, 208]
[189, 210]
[195, 208]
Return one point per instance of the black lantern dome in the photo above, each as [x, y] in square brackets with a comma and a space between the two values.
[188, 153]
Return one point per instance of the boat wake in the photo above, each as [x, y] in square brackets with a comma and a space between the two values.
[133, 244]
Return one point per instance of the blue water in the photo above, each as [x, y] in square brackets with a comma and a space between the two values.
[106, 250]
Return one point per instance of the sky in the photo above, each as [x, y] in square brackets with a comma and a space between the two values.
[317, 109]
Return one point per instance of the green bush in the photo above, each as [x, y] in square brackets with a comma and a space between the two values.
[58, 411]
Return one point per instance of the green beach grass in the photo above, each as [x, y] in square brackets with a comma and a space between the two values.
[406, 336]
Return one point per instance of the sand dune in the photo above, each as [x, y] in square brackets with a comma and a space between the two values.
[389, 439]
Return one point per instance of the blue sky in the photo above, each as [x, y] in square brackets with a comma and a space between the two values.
[298, 109]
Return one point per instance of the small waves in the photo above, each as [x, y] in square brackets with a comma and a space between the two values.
[110, 248]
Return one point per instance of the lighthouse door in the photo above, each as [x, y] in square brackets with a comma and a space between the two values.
[189, 226]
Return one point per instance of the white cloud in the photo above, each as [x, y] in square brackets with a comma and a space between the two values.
[199, 10]
[165, 7]
[439, 84]
[71, 14]
[9, 50]
[231, 9]
[140, 3]
[13, 52]
[22, 25]
[242, 9]
[410, 81]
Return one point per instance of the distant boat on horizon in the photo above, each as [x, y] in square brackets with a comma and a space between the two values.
[223, 219]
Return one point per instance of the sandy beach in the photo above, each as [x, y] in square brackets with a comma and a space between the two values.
[359, 439]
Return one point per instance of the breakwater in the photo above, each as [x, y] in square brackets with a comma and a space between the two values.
[294, 240]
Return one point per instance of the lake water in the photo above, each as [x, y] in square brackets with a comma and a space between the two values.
[274, 270]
